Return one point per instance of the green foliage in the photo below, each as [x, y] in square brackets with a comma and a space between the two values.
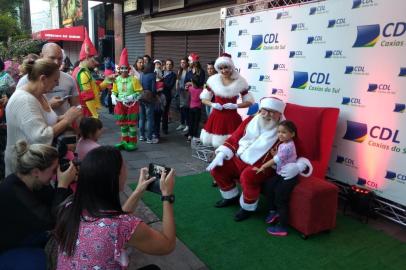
[20, 47]
[9, 26]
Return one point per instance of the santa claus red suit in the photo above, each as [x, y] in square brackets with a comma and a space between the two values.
[224, 118]
[248, 147]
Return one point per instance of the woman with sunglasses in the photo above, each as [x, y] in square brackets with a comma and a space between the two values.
[226, 86]
[125, 94]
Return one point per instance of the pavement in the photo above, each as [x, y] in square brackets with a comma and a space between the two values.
[172, 151]
[175, 152]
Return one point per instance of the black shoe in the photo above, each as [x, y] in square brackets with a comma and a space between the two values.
[214, 184]
[226, 202]
[242, 214]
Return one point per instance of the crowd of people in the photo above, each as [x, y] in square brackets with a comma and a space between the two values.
[67, 192]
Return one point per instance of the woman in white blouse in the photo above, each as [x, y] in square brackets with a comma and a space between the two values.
[29, 116]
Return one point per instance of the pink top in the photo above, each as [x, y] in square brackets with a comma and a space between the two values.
[101, 244]
[195, 101]
[286, 154]
[84, 146]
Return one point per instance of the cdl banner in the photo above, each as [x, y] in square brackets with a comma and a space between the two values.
[349, 54]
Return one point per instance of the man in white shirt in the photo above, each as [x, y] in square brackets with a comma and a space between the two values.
[65, 94]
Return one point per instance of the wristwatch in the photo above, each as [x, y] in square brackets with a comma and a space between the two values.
[169, 198]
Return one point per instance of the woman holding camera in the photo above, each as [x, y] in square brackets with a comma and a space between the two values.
[28, 205]
[93, 228]
[29, 116]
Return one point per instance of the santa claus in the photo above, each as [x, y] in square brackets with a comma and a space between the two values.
[226, 87]
[249, 147]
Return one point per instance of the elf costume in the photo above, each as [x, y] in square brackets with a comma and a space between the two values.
[89, 91]
[125, 94]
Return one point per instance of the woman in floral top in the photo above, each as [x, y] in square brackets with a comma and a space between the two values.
[94, 229]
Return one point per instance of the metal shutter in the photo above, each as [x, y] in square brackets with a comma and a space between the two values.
[176, 45]
[134, 41]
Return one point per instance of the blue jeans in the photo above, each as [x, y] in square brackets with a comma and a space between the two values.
[146, 119]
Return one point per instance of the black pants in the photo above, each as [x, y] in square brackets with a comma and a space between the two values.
[194, 119]
[157, 123]
[184, 116]
[165, 114]
[278, 192]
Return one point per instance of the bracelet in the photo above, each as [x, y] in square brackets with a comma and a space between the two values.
[169, 198]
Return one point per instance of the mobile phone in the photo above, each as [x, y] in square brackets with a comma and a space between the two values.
[155, 170]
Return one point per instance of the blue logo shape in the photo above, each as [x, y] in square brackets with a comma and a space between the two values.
[331, 23]
[262, 78]
[230, 23]
[252, 19]
[310, 40]
[274, 91]
[328, 54]
[275, 66]
[229, 43]
[300, 79]
[292, 54]
[279, 15]
[402, 72]
[239, 54]
[256, 42]
[349, 69]
[340, 159]
[346, 100]
[312, 10]
[372, 87]
[400, 108]
[356, 132]
[367, 35]
[390, 175]
[294, 27]
[356, 3]
[249, 65]
[240, 32]
[361, 181]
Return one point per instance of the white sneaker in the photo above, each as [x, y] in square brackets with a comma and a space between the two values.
[186, 129]
[180, 127]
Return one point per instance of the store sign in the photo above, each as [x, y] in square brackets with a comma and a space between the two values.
[130, 5]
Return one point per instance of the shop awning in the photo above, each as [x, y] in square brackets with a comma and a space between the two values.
[76, 33]
[192, 21]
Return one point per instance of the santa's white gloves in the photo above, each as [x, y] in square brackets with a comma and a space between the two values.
[230, 106]
[290, 170]
[217, 161]
[217, 106]
[113, 99]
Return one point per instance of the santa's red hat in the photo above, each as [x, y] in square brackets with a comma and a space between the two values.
[124, 58]
[193, 57]
[272, 103]
[224, 60]
[88, 49]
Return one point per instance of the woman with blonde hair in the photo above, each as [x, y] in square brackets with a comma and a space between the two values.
[29, 116]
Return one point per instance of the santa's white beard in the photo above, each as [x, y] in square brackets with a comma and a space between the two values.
[266, 125]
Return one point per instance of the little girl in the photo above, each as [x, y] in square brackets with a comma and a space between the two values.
[280, 189]
[90, 131]
[195, 105]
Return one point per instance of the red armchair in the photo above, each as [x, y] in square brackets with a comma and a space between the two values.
[313, 203]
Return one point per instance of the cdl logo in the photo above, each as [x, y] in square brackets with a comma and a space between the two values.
[243, 32]
[402, 72]
[336, 22]
[300, 79]
[279, 67]
[253, 66]
[373, 87]
[355, 69]
[400, 108]
[395, 176]
[242, 55]
[318, 10]
[298, 27]
[232, 22]
[345, 161]
[334, 54]
[264, 78]
[232, 44]
[394, 29]
[252, 88]
[282, 15]
[255, 19]
[296, 54]
[357, 132]
[367, 35]
[258, 41]
[314, 39]
[364, 182]
[277, 91]
[362, 3]
[351, 101]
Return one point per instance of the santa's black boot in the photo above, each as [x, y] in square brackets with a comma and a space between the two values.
[242, 215]
[226, 202]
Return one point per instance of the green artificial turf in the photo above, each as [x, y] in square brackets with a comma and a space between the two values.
[222, 243]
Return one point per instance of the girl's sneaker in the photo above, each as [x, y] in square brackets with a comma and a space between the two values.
[180, 127]
[142, 138]
[277, 230]
[272, 217]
